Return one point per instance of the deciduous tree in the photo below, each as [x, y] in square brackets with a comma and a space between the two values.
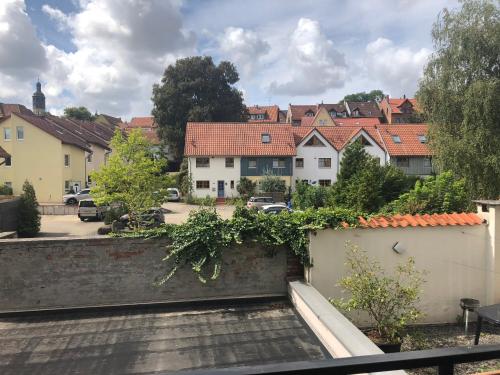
[78, 113]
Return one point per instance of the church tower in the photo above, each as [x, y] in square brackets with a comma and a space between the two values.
[38, 100]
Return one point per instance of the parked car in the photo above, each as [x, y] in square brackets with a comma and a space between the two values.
[275, 208]
[258, 202]
[173, 195]
[149, 219]
[75, 198]
[87, 209]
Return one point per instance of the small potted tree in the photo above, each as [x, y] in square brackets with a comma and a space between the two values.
[389, 300]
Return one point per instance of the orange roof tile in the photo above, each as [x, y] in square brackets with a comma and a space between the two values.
[272, 112]
[396, 104]
[298, 111]
[409, 135]
[426, 220]
[238, 139]
[141, 122]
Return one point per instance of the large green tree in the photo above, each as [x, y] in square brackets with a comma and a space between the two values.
[28, 216]
[460, 95]
[132, 176]
[374, 95]
[195, 89]
[78, 113]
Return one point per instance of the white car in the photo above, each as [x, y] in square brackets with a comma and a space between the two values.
[88, 210]
[173, 195]
[275, 208]
[75, 198]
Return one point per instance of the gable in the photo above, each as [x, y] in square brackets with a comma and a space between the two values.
[322, 118]
[314, 141]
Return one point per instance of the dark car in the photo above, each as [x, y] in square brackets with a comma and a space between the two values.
[152, 218]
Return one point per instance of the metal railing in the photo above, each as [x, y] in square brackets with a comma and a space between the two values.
[444, 359]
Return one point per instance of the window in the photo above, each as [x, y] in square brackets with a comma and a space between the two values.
[7, 134]
[89, 180]
[89, 158]
[333, 113]
[396, 139]
[299, 163]
[314, 141]
[427, 162]
[8, 161]
[364, 141]
[324, 163]
[355, 113]
[325, 182]
[232, 184]
[403, 162]
[252, 163]
[422, 138]
[305, 182]
[66, 160]
[229, 162]
[202, 162]
[8, 184]
[202, 184]
[322, 122]
[279, 163]
[260, 116]
[309, 114]
[266, 138]
[20, 133]
[66, 186]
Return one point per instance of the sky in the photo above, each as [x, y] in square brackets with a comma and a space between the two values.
[107, 54]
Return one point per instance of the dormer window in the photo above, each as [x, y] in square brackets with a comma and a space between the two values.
[309, 114]
[422, 138]
[333, 113]
[396, 139]
[355, 113]
[266, 138]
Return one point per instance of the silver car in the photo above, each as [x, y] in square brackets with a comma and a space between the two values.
[258, 202]
[75, 198]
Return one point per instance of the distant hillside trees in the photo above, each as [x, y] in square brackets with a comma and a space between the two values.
[460, 92]
[195, 89]
[78, 113]
[374, 95]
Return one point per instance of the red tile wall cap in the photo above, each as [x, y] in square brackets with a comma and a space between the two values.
[425, 220]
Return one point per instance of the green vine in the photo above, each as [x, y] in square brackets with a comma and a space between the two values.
[202, 239]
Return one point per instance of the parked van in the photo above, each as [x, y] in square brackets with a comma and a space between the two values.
[87, 209]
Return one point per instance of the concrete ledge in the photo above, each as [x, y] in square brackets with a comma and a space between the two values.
[6, 235]
[57, 209]
[339, 336]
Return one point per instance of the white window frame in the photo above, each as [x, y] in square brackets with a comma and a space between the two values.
[202, 188]
[17, 133]
[68, 160]
[324, 159]
[323, 184]
[302, 160]
[229, 166]
[252, 160]
[5, 132]
[279, 163]
[199, 165]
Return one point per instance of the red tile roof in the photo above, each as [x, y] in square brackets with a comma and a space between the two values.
[7, 109]
[298, 112]
[238, 139]
[396, 104]
[3, 154]
[78, 129]
[271, 112]
[408, 133]
[366, 109]
[141, 122]
[421, 220]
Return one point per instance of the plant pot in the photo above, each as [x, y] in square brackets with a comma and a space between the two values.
[389, 348]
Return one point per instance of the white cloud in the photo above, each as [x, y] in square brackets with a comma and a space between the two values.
[21, 53]
[313, 65]
[243, 47]
[63, 20]
[397, 68]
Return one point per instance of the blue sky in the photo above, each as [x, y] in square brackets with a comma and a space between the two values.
[106, 54]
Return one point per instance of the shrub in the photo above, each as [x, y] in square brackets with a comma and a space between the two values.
[246, 187]
[28, 224]
[5, 190]
[439, 194]
[271, 183]
[308, 196]
[113, 214]
[390, 301]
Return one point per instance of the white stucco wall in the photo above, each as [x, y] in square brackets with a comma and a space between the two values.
[217, 171]
[311, 154]
[455, 258]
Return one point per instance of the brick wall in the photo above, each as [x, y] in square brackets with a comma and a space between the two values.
[78, 272]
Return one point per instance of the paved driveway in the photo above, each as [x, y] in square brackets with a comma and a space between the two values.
[71, 226]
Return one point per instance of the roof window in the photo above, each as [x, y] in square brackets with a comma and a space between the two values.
[266, 138]
[422, 138]
[396, 139]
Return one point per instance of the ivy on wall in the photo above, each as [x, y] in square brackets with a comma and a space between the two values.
[200, 242]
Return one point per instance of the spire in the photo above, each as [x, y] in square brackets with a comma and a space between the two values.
[38, 100]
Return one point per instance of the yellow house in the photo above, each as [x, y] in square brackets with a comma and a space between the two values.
[50, 156]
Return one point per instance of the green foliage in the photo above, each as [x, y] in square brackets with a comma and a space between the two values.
[271, 183]
[5, 190]
[195, 89]
[28, 217]
[308, 196]
[78, 113]
[374, 95]
[459, 95]
[390, 301]
[131, 176]
[440, 194]
[199, 243]
[246, 187]
[114, 213]
[208, 201]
